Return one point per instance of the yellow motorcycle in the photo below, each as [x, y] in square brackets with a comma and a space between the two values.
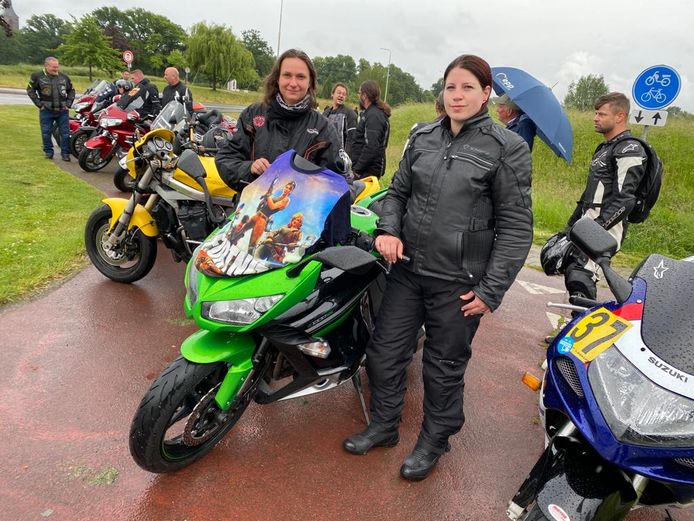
[180, 200]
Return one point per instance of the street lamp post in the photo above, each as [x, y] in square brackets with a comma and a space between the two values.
[279, 30]
[385, 96]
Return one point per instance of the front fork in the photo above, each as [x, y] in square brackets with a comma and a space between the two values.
[120, 224]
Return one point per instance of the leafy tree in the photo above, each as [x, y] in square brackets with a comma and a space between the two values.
[402, 86]
[42, 35]
[261, 51]
[331, 69]
[12, 48]
[150, 36]
[87, 45]
[437, 87]
[214, 51]
[583, 93]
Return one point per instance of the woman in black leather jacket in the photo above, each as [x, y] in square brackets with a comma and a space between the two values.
[459, 207]
[284, 120]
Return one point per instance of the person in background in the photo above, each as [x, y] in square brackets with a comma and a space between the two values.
[371, 137]
[614, 175]
[459, 207]
[146, 91]
[174, 88]
[52, 92]
[344, 118]
[516, 120]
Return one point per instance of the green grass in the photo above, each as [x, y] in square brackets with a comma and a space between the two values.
[43, 211]
[556, 185]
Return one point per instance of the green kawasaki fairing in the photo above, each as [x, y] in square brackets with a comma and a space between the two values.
[234, 344]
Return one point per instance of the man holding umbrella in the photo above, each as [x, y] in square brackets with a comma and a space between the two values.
[516, 120]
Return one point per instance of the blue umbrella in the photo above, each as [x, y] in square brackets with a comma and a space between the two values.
[536, 99]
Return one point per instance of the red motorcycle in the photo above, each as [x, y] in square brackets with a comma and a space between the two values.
[114, 136]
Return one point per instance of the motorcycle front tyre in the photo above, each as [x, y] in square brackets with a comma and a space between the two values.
[183, 395]
[91, 161]
[143, 249]
[77, 141]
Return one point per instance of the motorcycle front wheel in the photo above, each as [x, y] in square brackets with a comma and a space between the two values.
[178, 420]
[123, 181]
[91, 161]
[126, 262]
[77, 141]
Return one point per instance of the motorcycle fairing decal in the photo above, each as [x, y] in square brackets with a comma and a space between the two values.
[565, 345]
[661, 373]
[280, 215]
[596, 332]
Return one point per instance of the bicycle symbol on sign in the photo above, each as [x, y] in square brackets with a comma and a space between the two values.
[655, 94]
[655, 78]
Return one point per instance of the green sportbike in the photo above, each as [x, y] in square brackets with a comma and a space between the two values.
[282, 311]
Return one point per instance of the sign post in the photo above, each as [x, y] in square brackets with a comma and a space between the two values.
[655, 88]
[128, 58]
[187, 69]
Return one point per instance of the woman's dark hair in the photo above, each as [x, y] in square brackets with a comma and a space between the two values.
[271, 82]
[372, 91]
[479, 68]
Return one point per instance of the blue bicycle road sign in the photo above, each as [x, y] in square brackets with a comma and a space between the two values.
[656, 87]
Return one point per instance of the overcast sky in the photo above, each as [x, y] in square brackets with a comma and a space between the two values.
[557, 41]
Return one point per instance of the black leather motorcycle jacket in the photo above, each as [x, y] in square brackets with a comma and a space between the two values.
[262, 132]
[51, 92]
[462, 205]
[612, 181]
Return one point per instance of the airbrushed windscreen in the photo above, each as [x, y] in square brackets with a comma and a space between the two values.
[280, 215]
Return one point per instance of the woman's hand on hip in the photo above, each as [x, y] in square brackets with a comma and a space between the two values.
[473, 305]
[259, 166]
[390, 247]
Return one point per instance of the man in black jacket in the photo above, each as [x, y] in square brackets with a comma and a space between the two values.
[371, 137]
[344, 118]
[52, 92]
[145, 91]
[615, 172]
[174, 87]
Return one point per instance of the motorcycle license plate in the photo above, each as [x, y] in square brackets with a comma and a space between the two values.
[596, 332]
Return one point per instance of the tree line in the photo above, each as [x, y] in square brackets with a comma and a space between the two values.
[213, 52]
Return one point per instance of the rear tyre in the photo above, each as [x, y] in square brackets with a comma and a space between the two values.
[178, 420]
[123, 181]
[91, 161]
[77, 141]
[126, 262]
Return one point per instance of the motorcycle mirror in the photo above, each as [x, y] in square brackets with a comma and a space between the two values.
[190, 163]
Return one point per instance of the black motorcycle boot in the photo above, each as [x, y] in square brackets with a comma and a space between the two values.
[421, 461]
[374, 436]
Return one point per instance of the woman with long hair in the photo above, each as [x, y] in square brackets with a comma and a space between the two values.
[373, 130]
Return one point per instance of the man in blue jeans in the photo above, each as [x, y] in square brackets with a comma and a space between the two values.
[53, 94]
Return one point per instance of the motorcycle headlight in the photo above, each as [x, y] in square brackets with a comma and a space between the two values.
[110, 122]
[637, 410]
[79, 106]
[239, 312]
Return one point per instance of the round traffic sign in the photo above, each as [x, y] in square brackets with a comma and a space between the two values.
[128, 57]
[656, 87]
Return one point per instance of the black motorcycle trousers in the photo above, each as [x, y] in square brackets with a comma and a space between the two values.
[411, 300]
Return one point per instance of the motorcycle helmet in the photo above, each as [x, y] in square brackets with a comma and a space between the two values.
[557, 252]
[126, 85]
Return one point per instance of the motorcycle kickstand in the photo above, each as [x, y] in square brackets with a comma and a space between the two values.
[356, 380]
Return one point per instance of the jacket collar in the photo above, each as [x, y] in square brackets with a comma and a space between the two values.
[477, 121]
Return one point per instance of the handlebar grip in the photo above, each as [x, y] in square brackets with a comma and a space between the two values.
[583, 301]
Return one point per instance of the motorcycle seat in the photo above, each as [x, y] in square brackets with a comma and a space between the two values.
[211, 117]
[666, 328]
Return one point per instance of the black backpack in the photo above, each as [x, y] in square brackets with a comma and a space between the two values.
[649, 187]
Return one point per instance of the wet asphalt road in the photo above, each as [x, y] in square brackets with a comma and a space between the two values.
[78, 359]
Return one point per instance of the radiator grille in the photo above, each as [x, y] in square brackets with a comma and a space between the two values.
[568, 371]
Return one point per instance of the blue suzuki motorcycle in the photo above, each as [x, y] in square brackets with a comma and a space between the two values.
[617, 399]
